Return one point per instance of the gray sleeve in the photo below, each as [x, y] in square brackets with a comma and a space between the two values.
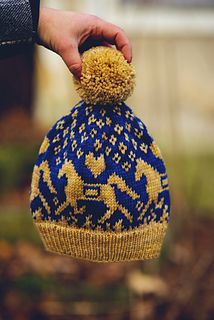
[16, 22]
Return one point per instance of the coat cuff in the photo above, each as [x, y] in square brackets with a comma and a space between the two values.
[35, 6]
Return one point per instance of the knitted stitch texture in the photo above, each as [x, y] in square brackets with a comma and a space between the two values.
[99, 187]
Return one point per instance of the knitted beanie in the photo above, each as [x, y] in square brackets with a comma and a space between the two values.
[99, 186]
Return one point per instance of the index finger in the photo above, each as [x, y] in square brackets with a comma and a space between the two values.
[115, 35]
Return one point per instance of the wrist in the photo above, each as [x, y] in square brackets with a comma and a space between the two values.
[42, 28]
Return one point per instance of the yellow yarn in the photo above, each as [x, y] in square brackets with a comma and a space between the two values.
[106, 76]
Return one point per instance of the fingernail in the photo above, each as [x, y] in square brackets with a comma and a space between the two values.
[129, 59]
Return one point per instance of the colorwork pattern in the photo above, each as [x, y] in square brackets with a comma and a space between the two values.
[101, 176]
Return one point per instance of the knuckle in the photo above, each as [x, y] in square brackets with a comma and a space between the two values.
[95, 23]
[65, 47]
[118, 29]
[94, 18]
[121, 30]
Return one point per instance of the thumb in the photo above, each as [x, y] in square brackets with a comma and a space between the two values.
[71, 57]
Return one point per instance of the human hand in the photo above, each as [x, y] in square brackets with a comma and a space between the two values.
[66, 32]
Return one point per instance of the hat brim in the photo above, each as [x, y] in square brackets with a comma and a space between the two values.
[142, 243]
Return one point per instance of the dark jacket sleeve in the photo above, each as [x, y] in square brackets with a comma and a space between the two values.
[18, 25]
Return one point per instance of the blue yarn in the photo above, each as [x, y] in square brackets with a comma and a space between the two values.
[58, 152]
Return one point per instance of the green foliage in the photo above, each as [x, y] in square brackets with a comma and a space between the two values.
[32, 285]
[17, 225]
[191, 183]
[16, 164]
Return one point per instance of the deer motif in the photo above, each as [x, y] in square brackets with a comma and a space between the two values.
[43, 168]
[153, 185]
[74, 191]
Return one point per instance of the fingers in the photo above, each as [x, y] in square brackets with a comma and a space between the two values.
[116, 36]
[99, 32]
[123, 44]
[72, 59]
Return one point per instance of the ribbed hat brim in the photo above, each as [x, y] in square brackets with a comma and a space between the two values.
[142, 243]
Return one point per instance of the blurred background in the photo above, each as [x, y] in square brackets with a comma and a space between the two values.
[173, 44]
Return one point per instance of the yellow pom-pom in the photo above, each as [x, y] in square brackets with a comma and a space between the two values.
[106, 76]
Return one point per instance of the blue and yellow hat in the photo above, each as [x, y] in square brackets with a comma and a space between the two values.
[99, 187]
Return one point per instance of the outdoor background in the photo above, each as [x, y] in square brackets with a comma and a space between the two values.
[173, 44]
